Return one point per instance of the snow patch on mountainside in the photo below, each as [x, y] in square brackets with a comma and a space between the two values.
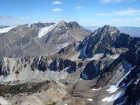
[4, 30]
[112, 89]
[111, 98]
[3, 101]
[121, 73]
[90, 99]
[44, 30]
[96, 89]
[29, 25]
[83, 51]
[123, 77]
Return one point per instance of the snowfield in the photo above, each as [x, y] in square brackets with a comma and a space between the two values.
[3, 101]
[44, 30]
[111, 98]
[4, 30]
[112, 89]
[90, 99]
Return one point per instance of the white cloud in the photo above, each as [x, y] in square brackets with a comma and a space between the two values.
[104, 14]
[57, 9]
[79, 7]
[9, 18]
[133, 0]
[129, 11]
[57, 2]
[126, 20]
[111, 1]
[117, 20]
[6, 18]
[116, 1]
[10, 21]
[137, 19]
[121, 20]
[22, 18]
[105, 1]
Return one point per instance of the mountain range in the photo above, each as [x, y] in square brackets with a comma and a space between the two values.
[64, 64]
[39, 39]
[132, 31]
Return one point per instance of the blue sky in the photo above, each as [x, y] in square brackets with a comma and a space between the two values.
[85, 12]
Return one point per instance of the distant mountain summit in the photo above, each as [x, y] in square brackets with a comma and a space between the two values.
[107, 39]
[41, 25]
[132, 31]
[3, 27]
[39, 38]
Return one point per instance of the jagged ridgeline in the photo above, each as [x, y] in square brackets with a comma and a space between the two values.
[71, 65]
[39, 39]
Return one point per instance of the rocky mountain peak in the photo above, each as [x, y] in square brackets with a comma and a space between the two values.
[74, 24]
[39, 25]
[106, 34]
[3, 26]
[109, 30]
[98, 42]
[62, 23]
[107, 26]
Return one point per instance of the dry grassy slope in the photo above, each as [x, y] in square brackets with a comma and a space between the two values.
[42, 93]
